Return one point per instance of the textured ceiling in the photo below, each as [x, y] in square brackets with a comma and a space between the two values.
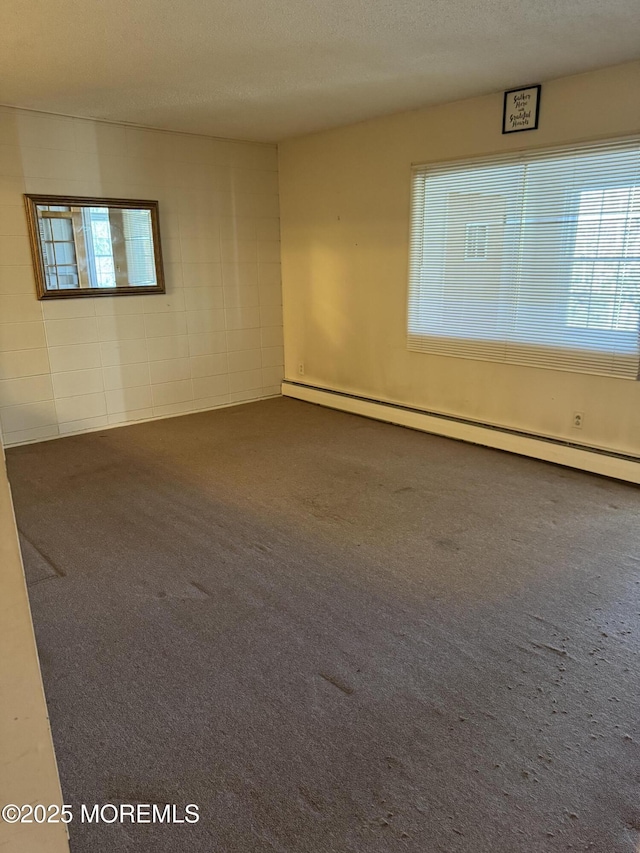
[268, 69]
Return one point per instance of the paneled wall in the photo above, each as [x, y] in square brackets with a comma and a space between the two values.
[216, 336]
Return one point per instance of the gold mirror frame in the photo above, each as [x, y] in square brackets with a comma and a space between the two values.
[33, 201]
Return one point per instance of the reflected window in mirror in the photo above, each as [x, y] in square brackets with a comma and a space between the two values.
[94, 247]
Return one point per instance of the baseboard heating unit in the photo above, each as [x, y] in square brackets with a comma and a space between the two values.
[593, 459]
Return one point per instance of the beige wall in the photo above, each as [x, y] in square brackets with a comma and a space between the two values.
[215, 338]
[345, 225]
[28, 771]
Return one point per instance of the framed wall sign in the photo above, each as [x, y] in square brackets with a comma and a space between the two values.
[521, 109]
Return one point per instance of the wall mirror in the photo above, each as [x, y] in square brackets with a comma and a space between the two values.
[94, 246]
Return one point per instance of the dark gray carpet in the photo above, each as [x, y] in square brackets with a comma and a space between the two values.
[335, 635]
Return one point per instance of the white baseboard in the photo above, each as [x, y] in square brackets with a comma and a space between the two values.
[594, 460]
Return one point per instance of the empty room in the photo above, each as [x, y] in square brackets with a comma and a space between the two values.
[320, 416]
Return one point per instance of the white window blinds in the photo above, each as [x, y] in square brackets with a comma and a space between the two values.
[138, 238]
[530, 258]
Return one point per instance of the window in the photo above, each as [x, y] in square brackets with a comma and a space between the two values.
[605, 276]
[530, 259]
[475, 246]
[98, 246]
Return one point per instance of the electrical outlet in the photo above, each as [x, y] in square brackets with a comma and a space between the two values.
[301, 368]
[578, 419]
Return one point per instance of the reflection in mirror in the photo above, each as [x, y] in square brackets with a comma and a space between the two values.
[94, 247]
